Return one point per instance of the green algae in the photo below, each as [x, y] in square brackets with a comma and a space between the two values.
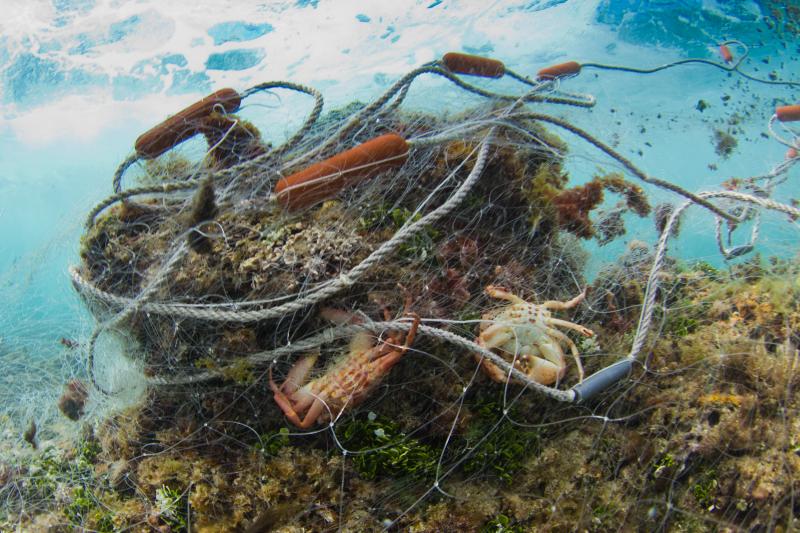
[378, 448]
[501, 523]
[495, 444]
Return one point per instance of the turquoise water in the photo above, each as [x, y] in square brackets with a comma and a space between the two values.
[81, 79]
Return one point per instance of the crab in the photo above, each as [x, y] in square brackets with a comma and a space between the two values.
[348, 382]
[527, 333]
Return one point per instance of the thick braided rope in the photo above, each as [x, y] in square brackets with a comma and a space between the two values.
[116, 181]
[773, 178]
[741, 249]
[400, 86]
[237, 171]
[336, 285]
[566, 396]
[290, 143]
[646, 315]
[532, 96]
[794, 142]
[128, 193]
[331, 334]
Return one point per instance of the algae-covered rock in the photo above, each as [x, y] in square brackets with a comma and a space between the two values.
[703, 435]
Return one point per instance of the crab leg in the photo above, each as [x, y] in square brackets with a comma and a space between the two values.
[283, 402]
[297, 374]
[544, 371]
[559, 306]
[495, 335]
[586, 332]
[388, 360]
[311, 415]
[574, 349]
[502, 294]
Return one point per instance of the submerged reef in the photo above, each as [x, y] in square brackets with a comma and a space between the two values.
[707, 435]
[703, 435]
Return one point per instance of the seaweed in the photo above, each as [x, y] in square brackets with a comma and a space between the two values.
[378, 448]
[495, 443]
[724, 143]
[204, 209]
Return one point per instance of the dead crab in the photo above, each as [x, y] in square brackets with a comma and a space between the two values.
[345, 384]
[527, 334]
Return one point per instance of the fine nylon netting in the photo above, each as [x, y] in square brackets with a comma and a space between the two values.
[428, 282]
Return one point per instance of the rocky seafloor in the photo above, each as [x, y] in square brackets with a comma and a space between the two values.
[703, 436]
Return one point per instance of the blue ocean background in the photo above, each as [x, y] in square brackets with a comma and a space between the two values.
[81, 79]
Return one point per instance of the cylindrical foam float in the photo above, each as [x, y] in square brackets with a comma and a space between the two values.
[558, 71]
[788, 113]
[184, 124]
[473, 65]
[322, 180]
[726, 53]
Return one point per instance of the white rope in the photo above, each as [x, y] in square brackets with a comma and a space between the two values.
[646, 316]
[343, 281]
[339, 332]
[233, 312]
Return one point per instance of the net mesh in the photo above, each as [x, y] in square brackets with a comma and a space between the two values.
[418, 346]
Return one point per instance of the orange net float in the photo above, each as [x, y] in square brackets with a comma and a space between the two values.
[184, 124]
[459, 63]
[570, 68]
[323, 180]
[726, 53]
[791, 153]
[788, 113]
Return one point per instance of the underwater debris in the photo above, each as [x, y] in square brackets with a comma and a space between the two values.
[73, 400]
[204, 209]
[207, 446]
[472, 65]
[322, 180]
[231, 140]
[724, 143]
[30, 434]
[561, 70]
[69, 343]
[725, 53]
[788, 113]
[184, 124]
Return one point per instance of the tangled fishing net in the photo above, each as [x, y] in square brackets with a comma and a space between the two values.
[384, 322]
